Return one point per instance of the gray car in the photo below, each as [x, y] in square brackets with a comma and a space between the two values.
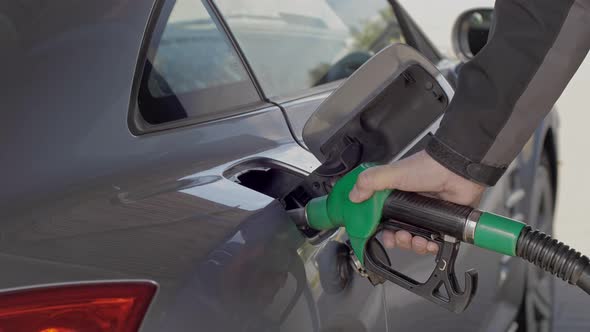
[151, 148]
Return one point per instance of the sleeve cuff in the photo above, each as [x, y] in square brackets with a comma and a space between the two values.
[483, 174]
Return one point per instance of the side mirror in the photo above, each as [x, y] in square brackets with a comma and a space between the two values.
[471, 31]
[378, 111]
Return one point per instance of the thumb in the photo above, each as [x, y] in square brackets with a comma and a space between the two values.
[417, 173]
[375, 179]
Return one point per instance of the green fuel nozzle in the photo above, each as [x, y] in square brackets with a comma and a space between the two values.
[446, 223]
[335, 210]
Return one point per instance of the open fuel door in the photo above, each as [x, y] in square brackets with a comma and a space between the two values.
[377, 112]
[383, 111]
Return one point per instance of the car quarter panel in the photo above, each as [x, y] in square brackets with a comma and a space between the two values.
[84, 199]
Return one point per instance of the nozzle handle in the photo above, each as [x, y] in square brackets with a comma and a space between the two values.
[435, 215]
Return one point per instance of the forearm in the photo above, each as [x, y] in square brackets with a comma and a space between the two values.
[508, 88]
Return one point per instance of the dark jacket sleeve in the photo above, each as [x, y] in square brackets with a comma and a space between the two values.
[505, 91]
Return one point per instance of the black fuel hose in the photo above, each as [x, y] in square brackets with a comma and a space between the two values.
[554, 257]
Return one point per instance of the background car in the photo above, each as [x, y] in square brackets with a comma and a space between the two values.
[155, 144]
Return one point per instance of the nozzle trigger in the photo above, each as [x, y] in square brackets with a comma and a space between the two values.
[454, 299]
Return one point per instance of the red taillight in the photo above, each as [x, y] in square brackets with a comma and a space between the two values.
[113, 307]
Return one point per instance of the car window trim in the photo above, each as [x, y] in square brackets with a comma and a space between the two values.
[236, 46]
[316, 90]
[136, 123]
[412, 32]
[142, 127]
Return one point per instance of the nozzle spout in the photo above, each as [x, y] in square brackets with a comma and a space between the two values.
[298, 216]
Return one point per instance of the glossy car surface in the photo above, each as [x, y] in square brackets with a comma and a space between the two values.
[149, 140]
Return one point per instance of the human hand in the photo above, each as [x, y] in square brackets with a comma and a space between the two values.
[421, 174]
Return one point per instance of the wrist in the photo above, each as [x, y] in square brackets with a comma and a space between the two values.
[482, 174]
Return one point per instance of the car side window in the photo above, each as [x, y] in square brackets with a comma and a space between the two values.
[191, 69]
[295, 45]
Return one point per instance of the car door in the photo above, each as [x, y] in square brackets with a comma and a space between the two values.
[299, 52]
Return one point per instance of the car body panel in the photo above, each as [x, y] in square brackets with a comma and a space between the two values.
[84, 199]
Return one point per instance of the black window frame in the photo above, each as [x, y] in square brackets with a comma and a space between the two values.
[154, 28]
[415, 37]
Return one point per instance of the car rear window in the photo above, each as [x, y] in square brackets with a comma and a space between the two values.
[295, 45]
[192, 69]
